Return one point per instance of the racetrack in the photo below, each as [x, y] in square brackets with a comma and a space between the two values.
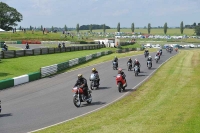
[48, 101]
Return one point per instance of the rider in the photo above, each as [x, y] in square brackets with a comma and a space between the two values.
[149, 59]
[116, 60]
[94, 71]
[27, 46]
[130, 61]
[5, 47]
[158, 54]
[123, 75]
[59, 45]
[82, 82]
[137, 63]
[146, 52]
[160, 51]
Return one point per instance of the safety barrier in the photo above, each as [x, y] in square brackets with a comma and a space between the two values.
[48, 70]
[42, 51]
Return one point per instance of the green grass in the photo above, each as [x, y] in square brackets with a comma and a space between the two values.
[189, 32]
[168, 104]
[23, 65]
[38, 35]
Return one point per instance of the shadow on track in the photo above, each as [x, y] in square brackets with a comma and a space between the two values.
[93, 103]
[5, 115]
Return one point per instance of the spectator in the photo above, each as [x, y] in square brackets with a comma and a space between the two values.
[63, 45]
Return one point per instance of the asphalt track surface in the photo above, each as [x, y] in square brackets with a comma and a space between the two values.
[48, 101]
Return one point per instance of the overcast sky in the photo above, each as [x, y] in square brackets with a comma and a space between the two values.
[57, 13]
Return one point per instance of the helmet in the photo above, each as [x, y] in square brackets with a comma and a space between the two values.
[93, 69]
[129, 58]
[119, 70]
[157, 51]
[80, 76]
[135, 59]
[149, 56]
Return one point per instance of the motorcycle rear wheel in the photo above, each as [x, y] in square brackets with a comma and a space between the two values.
[90, 99]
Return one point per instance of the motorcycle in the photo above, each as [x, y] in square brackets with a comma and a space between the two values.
[79, 96]
[136, 69]
[94, 84]
[114, 65]
[129, 66]
[121, 83]
[146, 54]
[149, 64]
[156, 58]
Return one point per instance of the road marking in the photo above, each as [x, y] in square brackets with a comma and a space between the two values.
[134, 88]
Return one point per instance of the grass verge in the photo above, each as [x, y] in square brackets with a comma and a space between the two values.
[166, 104]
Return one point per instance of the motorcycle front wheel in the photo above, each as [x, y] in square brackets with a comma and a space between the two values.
[119, 87]
[76, 101]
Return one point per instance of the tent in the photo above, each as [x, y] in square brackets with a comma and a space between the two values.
[1, 30]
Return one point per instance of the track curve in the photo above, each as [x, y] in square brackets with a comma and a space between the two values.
[48, 101]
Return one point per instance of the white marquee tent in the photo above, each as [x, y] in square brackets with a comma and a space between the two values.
[1, 30]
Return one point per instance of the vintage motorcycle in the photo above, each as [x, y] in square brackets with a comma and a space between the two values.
[121, 83]
[79, 96]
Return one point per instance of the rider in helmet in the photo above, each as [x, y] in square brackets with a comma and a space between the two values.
[123, 75]
[137, 63]
[27, 45]
[116, 60]
[82, 82]
[158, 54]
[149, 59]
[5, 47]
[94, 71]
[130, 61]
[146, 52]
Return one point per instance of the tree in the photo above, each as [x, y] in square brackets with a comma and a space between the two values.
[197, 30]
[118, 27]
[52, 28]
[104, 28]
[194, 24]
[20, 28]
[198, 24]
[132, 27]
[149, 28]
[30, 27]
[9, 16]
[90, 28]
[41, 28]
[165, 28]
[77, 28]
[181, 27]
[65, 28]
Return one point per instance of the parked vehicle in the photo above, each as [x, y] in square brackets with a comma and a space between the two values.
[79, 96]
[121, 83]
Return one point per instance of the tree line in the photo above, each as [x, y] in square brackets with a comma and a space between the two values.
[9, 17]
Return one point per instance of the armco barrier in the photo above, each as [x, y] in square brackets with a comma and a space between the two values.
[62, 66]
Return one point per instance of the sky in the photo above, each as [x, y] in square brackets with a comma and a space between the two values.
[58, 13]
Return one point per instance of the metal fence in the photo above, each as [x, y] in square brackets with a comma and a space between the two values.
[42, 51]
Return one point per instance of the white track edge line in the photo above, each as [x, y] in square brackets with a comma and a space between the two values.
[104, 105]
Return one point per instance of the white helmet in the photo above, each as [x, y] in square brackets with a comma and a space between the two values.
[149, 56]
